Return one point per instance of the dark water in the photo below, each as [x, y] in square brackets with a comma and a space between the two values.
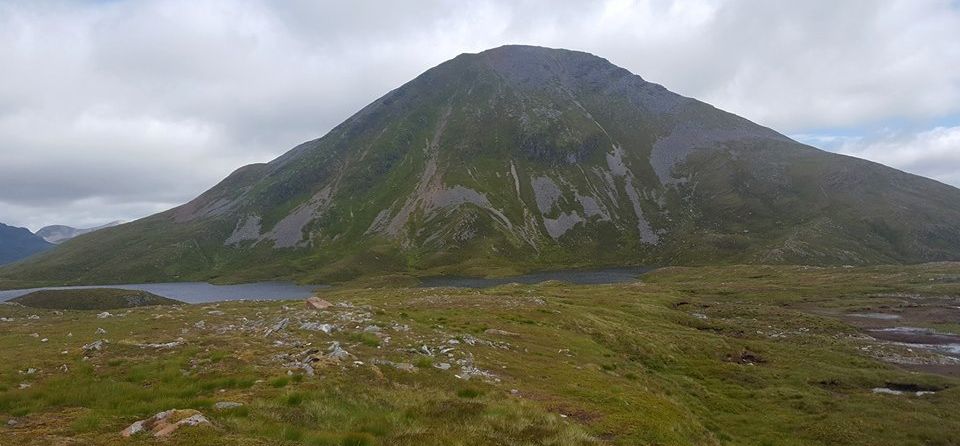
[921, 338]
[201, 292]
[576, 276]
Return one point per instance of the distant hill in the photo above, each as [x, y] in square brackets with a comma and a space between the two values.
[57, 234]
[524, 158]
[92, 299]
[19, 243]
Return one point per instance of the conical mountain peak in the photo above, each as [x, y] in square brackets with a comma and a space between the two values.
[524, 157]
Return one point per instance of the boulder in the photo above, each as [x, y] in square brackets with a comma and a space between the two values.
[316, 303]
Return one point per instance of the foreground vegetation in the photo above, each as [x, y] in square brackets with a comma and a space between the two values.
[722, 355]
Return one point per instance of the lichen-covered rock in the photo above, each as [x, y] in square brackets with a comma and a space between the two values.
[497, 332]
[166, 423]
[337, 352]
[225, 405]
[94, 346]
[316, 326]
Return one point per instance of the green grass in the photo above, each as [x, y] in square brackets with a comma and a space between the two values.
[613, 364]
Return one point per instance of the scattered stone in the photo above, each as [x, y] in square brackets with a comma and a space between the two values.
[31, 371]
[886, 391]
[216, 313]
[224, 405]
[700, 316]
[33, 317]
[316, 326]
[496, 332]
[166, 345]
[468, 371]
[442, 366]
[104, 315]
[6, 319]
[316, 303]
[371, 329]
[280, 325]
[23, 386]
[44, 340]
[94, 346]
[337, 352]
[12, 422]
[404, 366]
[745, 357]
[200, 325]
[167, 422]
[63, 368]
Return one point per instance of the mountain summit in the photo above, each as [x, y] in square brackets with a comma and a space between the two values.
[57, 234]
[523, 157]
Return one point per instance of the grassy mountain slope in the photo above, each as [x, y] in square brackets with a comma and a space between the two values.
[522, 158]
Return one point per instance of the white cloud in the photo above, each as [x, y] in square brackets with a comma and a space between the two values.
[137, 105]
[934, 152]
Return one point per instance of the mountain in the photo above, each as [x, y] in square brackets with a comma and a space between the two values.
[523, 158]
[19, 243]
[57, 234]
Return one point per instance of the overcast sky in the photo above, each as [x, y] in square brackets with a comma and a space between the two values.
[119, 109]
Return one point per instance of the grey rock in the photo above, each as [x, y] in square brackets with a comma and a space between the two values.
[280, 325]
[94, 346]
[337, 352]
[224, 405]
[316, 326]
